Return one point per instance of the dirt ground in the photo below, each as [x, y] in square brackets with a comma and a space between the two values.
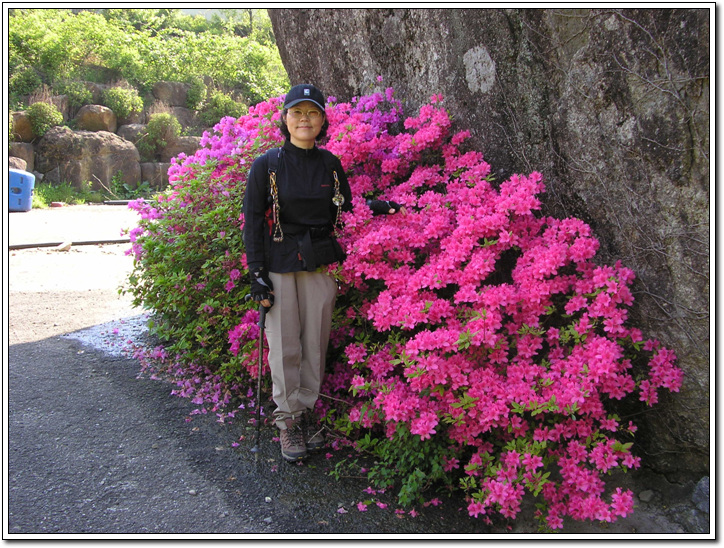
[56, 293]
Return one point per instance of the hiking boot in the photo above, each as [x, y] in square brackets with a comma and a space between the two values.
[292, 440]
[316, 440]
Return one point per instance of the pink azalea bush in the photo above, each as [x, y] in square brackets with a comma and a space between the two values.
[477, 344]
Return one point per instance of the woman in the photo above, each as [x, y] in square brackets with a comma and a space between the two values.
[294, 196]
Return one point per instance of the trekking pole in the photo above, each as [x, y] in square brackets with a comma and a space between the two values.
[262, 321]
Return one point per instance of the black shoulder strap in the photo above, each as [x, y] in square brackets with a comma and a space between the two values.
[273, 155]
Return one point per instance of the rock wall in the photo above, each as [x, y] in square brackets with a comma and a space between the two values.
[611, 105]
[102, 146]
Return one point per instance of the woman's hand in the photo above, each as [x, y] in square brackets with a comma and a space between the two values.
[262, 289]
[385, 207]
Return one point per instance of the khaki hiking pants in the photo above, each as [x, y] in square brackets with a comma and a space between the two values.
[297, 330]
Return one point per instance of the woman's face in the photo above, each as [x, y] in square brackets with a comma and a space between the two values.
[304, 121]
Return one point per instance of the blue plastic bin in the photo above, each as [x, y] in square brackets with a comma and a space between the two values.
[21, 186]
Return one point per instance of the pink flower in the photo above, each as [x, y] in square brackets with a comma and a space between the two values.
[424, 425]
[473, 317]
[622, 502]
[554, 521]
[476, 508]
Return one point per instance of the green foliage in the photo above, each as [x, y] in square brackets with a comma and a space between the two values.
[253, 23]
[143, 46]
[43, 116]
[219, 105]
[196, 94]
[123, 191]
[187, 249]
[419, 463]
[46, 193]
[153, 20]
[23, 81]
[59, 44]
[78, 94]
[122, 101]
[161, 129]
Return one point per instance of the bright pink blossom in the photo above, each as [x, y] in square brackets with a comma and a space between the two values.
[474, 322]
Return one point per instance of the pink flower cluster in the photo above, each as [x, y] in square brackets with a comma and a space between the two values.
[473, 320]
[245, 336]
[502, 326]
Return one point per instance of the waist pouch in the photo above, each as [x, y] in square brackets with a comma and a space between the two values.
[320, 250]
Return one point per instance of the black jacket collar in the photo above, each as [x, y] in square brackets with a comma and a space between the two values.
[304, 152]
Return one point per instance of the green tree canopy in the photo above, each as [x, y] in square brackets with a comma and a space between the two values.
[235, 48]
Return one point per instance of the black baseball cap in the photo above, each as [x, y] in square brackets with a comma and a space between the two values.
[304, 92]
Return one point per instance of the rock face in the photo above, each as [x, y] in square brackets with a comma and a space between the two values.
[156, 174]
[22, 128]
[185, 116]
[611, 105]
[186, 144]
[96, 118]
[172, 93]
[24, 151]
[99, 118]
[17, 163]
[131, 132]
[78, 157]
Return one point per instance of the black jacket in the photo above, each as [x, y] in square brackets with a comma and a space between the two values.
[306, 187]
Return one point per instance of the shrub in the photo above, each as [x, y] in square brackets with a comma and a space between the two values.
[43, 116]
[196, 95]
[78, 94]
[45, 193]
[476, 345]
[24, 81]
[142, 47]
[220, 105]
[122, 101]
[161, 129]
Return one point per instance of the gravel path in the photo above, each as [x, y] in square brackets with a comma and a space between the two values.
[93, 449]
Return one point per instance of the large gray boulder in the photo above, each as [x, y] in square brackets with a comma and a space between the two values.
[81, 157]
[611, 105]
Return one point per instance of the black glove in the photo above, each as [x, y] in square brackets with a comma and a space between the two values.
[383, 207]
[261, 286]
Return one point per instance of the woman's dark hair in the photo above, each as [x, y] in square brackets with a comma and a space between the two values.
[285, 130]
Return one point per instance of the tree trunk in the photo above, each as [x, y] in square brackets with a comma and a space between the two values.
[611, 105]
